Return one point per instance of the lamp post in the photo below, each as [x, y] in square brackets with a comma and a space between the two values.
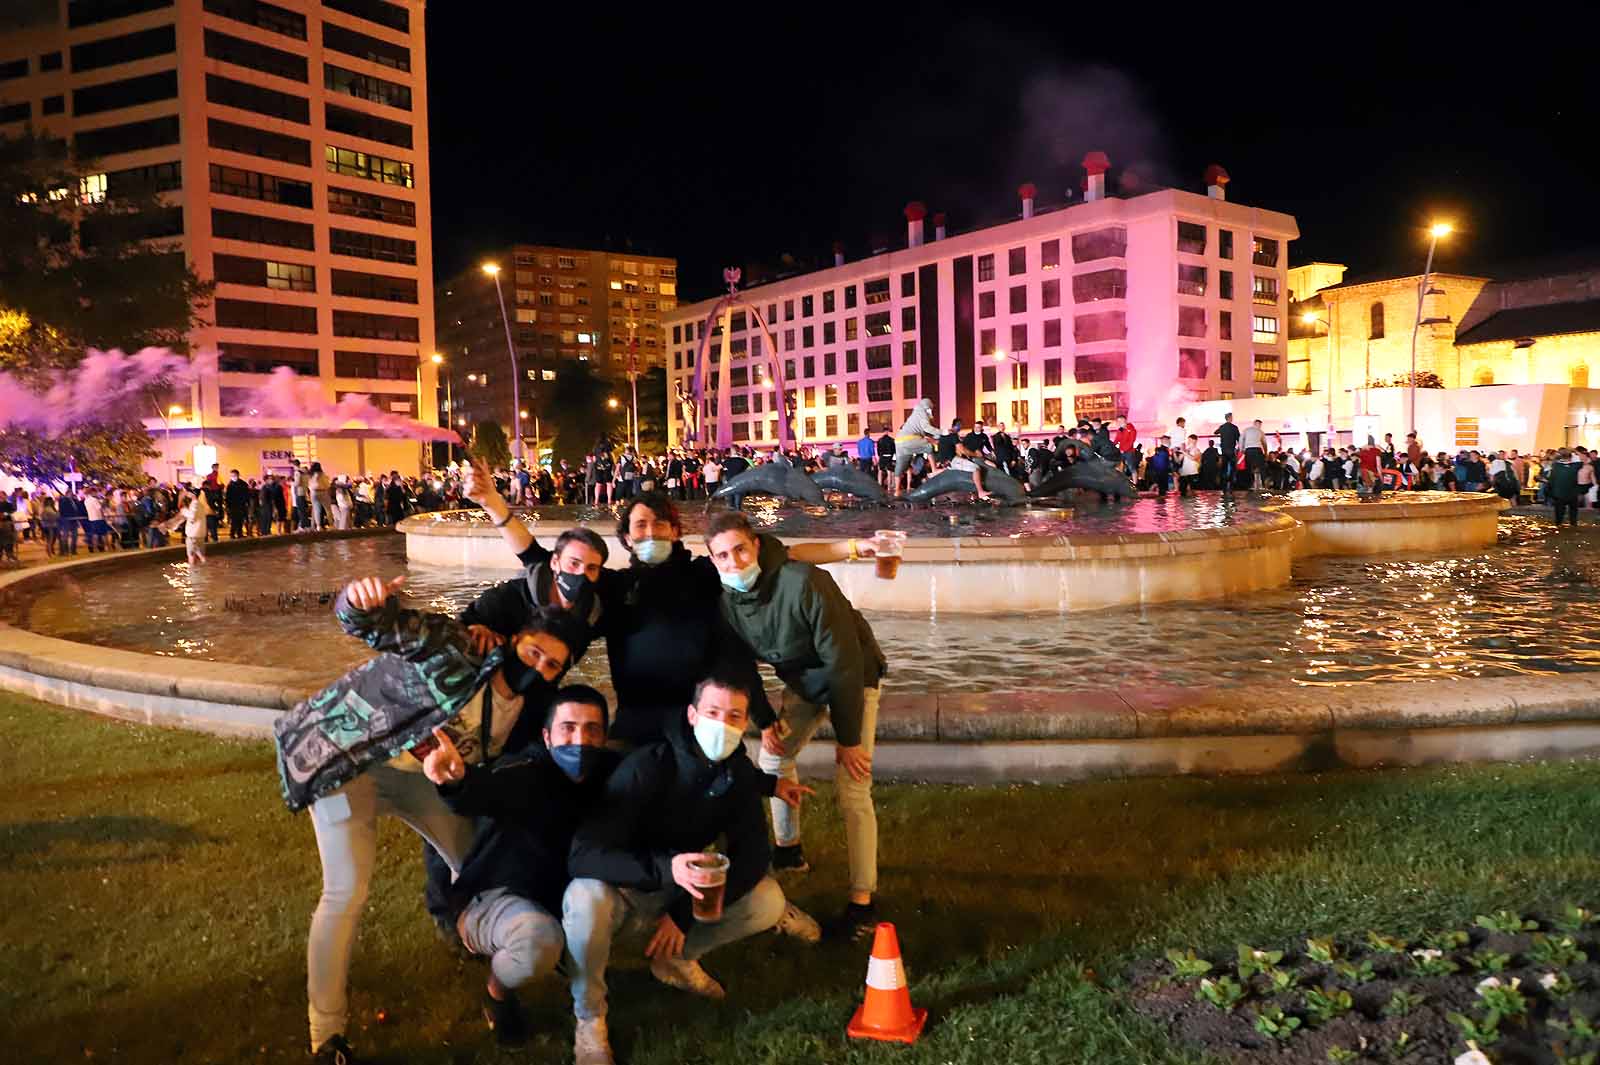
[613, 404]
[1435, 231]
[493, 270]
[1312, 318]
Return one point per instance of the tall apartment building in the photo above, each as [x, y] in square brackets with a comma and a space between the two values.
[289, 142]
[1127, 305]
[571, 304]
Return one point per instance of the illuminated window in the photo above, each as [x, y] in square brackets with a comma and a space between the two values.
[1050, 255]
[1268, 368]
[1191, 280]
[1264, 329]
[1264, 289]
[92, 189]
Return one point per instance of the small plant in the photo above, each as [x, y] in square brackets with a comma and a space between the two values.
[1402, 1002]
[1401, 1046]
[1557, 952]
[1282, 981]
[1321, 951]
[1557, 985]
[1506, 922]
[1588, 1057]
[1326, 1004]
[1340, 1055]
[1385, 944]
[1356, 973]
[1444, 941]
[1252, 961]
[1224, 992]
[1573, 919]
[1488, 961]
[1477, 1033]
[1503, 1000]
[1576, 1024]
[1431, 962]
[1273, 1023]
[1185, 966]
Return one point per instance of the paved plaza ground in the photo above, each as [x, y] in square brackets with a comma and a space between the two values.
[156, 896]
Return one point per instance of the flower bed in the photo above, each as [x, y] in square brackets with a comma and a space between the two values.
[1509, 990]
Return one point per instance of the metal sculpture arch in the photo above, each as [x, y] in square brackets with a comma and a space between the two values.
[724, 309]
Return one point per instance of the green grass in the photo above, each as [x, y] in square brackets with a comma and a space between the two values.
[156, 897]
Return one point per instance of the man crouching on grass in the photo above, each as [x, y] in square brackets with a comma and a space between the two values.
[666, 805]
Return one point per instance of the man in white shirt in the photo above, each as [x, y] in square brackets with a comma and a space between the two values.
[1254, 442]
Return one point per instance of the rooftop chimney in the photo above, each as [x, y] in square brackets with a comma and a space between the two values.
[1095, 165]
[915, 213]
[938, 226]
[1216, 182]
[838, 253]
[1027, 192]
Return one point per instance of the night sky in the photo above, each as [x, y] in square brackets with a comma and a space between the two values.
[738, 141]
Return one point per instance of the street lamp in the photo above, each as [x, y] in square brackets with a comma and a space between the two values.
[613, 404]
[1312, 318]
[493, 270]
[1435, 231]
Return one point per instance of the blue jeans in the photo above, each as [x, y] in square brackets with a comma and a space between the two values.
[522, 939]
[346, 823]
[593, 913]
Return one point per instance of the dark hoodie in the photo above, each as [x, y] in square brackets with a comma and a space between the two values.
[535, 810]
[506, 607]
[667, 799]
[798, 621]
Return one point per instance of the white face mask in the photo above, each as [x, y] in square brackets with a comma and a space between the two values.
[717, 739]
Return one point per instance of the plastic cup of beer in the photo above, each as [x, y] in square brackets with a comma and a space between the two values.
[887, 548]
[709, 874]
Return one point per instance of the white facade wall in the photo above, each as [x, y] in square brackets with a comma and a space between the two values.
[1150, 387]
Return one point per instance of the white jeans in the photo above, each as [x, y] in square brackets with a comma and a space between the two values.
[798, 721]
[346, 824]
[521, 938]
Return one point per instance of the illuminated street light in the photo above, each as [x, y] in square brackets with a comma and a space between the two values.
[1310, 318]
[612, 402]
[437, 358]
[522, 413]
[1435, 231]
[1441, 229]
[174, 410]
[492, 269]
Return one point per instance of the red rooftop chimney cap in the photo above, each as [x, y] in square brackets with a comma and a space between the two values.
[1096, 162]
[1027, 191]
[1215, 175]
[938, 219]
[916, 211]
[838, 246]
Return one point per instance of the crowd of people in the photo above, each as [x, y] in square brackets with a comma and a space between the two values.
[558, 826]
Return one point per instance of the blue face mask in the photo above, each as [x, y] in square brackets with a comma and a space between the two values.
[744, 580]
[652, 552]
[716, 739]
[575, 759]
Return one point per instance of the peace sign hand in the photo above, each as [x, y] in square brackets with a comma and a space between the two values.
[370, 593]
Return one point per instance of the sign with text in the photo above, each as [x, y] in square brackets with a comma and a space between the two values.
[276, 455]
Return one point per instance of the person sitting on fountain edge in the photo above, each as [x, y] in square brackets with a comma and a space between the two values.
[796, 619]
[507, 901]
[969, 459]
[353, 752]
[663, 808]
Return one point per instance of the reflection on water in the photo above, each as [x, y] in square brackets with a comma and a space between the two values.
[1526, 606]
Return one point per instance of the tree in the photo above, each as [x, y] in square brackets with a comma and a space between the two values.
[489, 443]
[575, 412]
[653, 410]
[83, 264]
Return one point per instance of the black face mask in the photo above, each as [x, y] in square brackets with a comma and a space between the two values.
[578, 590]
[524, 679]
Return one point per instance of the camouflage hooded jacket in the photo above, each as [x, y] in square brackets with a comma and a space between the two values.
[426, 674]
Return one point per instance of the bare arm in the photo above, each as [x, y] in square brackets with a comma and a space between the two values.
[478, 486]
[832, 551]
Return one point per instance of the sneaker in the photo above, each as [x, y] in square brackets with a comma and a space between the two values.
[790, 859]
[857, 922]
[591, 1044]
[506, 1019]
[334, 1051]
[799, 924]
[687, 976]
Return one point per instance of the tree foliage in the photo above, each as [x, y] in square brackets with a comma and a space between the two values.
[80, 268]
[574, 410]
[489, 443]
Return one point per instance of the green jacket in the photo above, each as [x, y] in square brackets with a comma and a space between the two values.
[1563, 482]
[799, 622]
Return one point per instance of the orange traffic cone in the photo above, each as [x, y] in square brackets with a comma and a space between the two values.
[887, 1014]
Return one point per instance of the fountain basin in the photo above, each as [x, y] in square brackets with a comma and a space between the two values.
[1342, 523]
[1015, 574]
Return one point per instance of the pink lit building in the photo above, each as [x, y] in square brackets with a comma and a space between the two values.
[1135, 304]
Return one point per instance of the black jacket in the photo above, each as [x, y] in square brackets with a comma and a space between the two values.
[238, 495]
[506, 607]
[534, 810]
[664, 633]
[1228, 438]
[667, 799]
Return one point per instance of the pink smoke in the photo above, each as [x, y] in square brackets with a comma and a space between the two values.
[109, 385]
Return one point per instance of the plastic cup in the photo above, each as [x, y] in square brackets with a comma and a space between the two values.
[888, 546]
[709, 873]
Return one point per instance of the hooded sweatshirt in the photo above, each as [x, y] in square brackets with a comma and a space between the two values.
[798, 621]
[920, 425]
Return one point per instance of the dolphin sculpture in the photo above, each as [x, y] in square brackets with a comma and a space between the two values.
[949, 481]
[1091, 472]
[772, 479]
[850, 480]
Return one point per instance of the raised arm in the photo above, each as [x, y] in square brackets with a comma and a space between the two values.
[478, 486]
[369, 610]
[818, 554]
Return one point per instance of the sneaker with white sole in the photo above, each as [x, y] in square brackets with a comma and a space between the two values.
[687, 976]
[789, 860]
[799, 924]
[591, 1044]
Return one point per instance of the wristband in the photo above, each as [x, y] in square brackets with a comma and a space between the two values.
[503, 524]
[854, 554]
